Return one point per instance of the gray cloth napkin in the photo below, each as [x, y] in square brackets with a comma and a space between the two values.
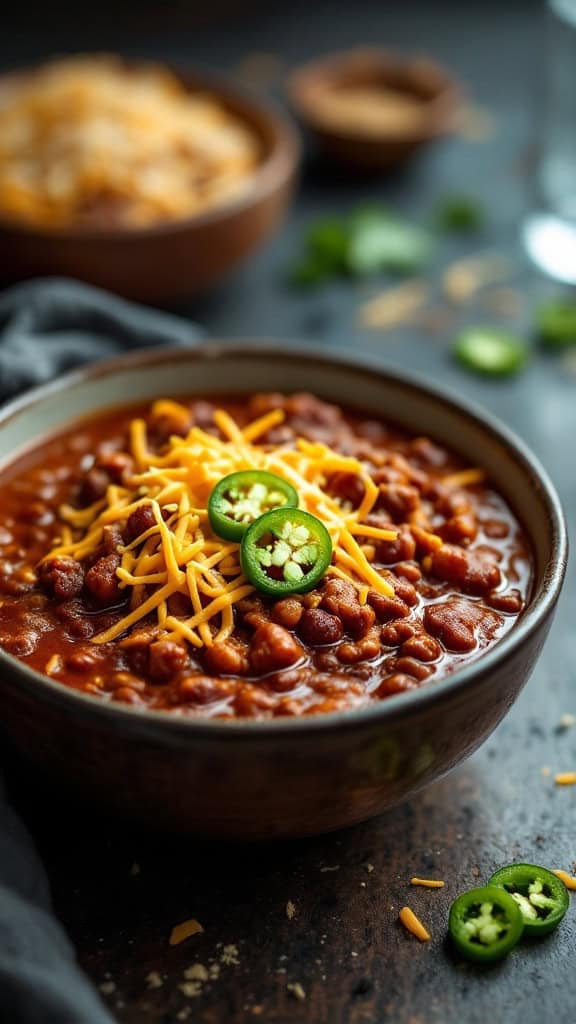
[52, 325]
[48, 327]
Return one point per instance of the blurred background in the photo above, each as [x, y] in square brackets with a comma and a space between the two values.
[493, 50]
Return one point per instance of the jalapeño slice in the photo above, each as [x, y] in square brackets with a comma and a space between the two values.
[286, 551]
[541, 896]
[490, 351]
[240, 498]
[485, 924]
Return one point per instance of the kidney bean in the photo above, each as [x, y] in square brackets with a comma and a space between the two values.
[94, 486]
[411, 667]
[140, 520]
[460, 529]
[398, 682]
[399, 500]
[272, 648]
[82, 660]
[287, 612]
[422, 647]
[363, 650]
[387, 608]
[318, 627]
[472, 571]
[250, 700]
[348, 487]
[199, 689]
[395, 633]
[227, 659]
[511, 603]
[409, 571]
[165, 660]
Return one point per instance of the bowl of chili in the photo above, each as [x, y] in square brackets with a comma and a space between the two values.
[363, 577]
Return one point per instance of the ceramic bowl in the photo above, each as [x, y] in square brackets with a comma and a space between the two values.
[349, 143]
[253, 779]
[175, 259]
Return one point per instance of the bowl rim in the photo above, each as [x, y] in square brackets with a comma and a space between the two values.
[275, 170]
[441, 107]
[164, 723]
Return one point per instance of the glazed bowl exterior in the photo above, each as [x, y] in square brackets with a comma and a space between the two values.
[175, 259]
[285, 777]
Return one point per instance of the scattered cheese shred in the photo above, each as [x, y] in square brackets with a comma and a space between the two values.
[569, 880]
[414, 925]
[184, 931]
[428, 883]
[179, 554]
[565, 779]
[465, 478]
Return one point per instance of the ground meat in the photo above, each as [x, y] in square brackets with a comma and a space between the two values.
[272, 648]
[472, 571]
[61, 577]
[73, 616]
[102, 581]
[459, 624]
[340, 598]
[318, 627]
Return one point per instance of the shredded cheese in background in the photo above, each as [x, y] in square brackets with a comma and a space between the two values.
[179, 554]
[414, 925]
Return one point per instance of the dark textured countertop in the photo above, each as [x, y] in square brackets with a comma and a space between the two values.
[118, 891]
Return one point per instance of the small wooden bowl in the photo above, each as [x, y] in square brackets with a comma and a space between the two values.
[374, 148]
[174, 259]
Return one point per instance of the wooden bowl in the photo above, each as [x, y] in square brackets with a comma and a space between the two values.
[173, 259]
[249, 779]
[376, 148]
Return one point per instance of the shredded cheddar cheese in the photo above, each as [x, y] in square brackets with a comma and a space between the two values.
[569, 880]
[465, 478]
[179, 553]
[181, 932]
[428, 883]
[414, 925]
[565, 779]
